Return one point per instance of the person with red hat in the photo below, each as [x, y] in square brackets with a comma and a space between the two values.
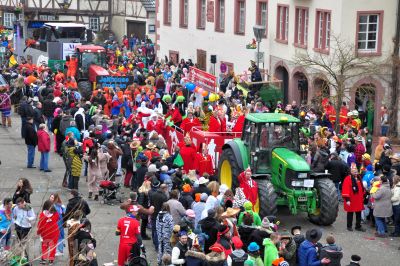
[224, 239]
[217, 256]
[238, 256]
[128, 229]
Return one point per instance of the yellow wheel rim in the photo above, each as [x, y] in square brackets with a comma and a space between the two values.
[226, 173]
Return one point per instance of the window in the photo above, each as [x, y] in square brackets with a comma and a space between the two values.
[240, 15]
[201, 14]
[184, 15]
[167, 12]
[94, 23]
[220, 15]
[323, 30]
[9, 19]
[262, 14]
[47, 17]
[282, 25]
[301, 27]
[369, 32]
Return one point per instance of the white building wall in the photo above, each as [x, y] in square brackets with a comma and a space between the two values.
[228, 46]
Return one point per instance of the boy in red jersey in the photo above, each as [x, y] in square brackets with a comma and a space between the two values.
[128, 229]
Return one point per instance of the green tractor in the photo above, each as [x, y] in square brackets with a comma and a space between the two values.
[270, 147]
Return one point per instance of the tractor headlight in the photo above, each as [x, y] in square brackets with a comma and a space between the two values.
[297, 183]
[302, 175]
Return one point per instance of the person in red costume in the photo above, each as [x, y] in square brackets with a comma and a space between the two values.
[217, 122]
[203, 161]
[249, 186]
[189, 122]
[48, 231]
[156, 124]
[60, 77]
[238, 127]
[175, 115]
[353, 198]
[72, 65]
[188, 153]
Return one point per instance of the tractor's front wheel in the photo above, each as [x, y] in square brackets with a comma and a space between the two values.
[85, 89]
[267, 198]
[327, 203]
[229, 169]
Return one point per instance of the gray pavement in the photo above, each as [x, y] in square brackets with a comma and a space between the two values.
[104, 217]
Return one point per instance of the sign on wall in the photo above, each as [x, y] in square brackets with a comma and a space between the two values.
[69, 49]
[203, 79]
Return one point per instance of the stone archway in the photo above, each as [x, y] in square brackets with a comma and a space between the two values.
[375, 90]
[321, 88]
[300, 91]
[282, 73]
[364, 103]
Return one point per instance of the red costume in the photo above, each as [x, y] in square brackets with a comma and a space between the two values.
[176, 116]
[188, 153]
[72, 65]
[238, 127]
[356, 199]
[49, 232]
[250, 187]
[188, 124]
[128, 228]
[216, 124]
[203, 164]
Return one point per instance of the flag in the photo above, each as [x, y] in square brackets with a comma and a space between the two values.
[12, 61]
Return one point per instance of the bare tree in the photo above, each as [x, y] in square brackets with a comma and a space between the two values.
[341, 66]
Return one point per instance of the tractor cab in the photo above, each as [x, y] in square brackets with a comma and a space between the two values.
[90, 55]
[261, 136]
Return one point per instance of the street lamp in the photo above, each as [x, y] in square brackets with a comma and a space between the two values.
[259, 32]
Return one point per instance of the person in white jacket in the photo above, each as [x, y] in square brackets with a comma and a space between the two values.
[180, 249]
[23, 217]
[396, 205]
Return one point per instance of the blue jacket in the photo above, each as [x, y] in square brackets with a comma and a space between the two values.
[75, 131]
[307, 254]
[4, 222]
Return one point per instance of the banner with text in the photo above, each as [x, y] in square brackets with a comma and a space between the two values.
[114, 81]
[203, 79]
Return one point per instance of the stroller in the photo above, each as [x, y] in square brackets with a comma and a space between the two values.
[138, 255]
[110, 191]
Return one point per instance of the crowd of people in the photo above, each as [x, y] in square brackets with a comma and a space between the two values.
[119, 136]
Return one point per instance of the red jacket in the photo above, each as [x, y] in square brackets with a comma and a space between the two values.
[48, 225]
[238, 127]
[43, 141]
[188, 154]
[216, 125]
[250, 189]
[176, 116]
[203, 164]
[356, 199]
[188, 124]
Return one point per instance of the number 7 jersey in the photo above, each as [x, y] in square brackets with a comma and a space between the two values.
[128, 228]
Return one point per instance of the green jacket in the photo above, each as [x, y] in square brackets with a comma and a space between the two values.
[256, 218]
[270, 252]
[257, 261]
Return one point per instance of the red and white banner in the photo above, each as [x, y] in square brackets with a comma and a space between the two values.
[203, 79]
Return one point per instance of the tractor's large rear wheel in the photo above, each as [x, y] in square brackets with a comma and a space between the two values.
[85, 89]
[229, 169]
[327, 203]
[267, 198]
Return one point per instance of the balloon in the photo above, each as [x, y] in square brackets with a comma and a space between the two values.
[212, 97]
[190, 86]
[204, 93]
[200, 90]
[197, 89]
[223, 68]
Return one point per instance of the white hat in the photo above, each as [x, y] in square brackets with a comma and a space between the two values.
[152, 168]
[35, 99]
[355, 113]
[203, 180]
[223, 188]
[164, 168]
